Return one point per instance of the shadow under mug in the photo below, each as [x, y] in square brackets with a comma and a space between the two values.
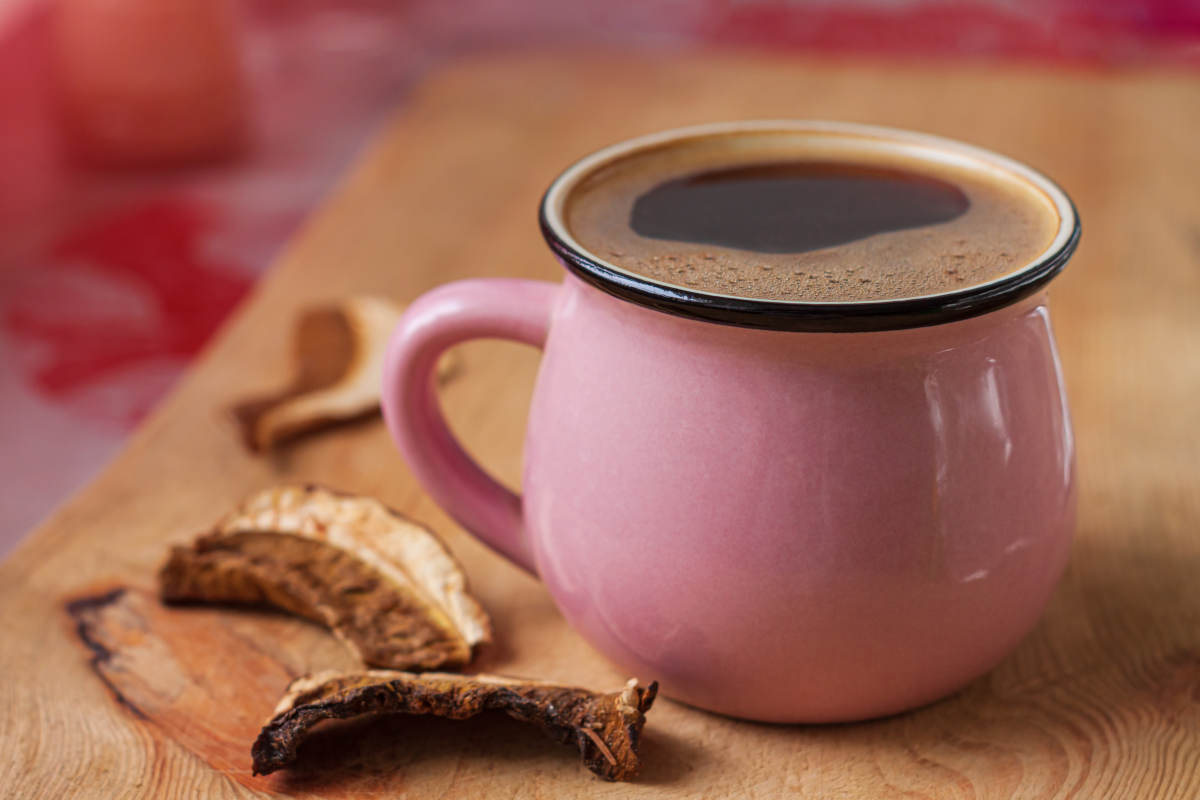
[784, 511]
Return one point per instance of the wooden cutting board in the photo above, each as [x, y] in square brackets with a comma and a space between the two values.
[108, 694]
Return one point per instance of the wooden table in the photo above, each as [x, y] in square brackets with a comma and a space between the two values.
[1102, 700]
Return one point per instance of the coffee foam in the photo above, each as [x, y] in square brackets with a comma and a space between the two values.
[1008, 225]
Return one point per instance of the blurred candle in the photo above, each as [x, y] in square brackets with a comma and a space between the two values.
[149, 82]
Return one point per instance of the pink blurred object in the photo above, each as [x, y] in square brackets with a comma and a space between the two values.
[149, 81]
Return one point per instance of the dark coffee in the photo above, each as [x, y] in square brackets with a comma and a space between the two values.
[751, 223]
[793, 206]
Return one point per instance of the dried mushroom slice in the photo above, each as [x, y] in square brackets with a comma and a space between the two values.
[385, 585]
[605, 727]
[339, 353]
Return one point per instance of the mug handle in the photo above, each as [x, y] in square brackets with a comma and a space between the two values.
[491, 308]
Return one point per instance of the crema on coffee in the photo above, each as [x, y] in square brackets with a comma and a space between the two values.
[780, 218]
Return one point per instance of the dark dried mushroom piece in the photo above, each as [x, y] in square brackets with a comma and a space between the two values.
[605, 727]
[338, 352]
[382, 583]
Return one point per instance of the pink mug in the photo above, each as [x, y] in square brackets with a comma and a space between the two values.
[782, 511]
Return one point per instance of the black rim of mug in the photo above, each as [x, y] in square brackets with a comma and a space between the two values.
[860, 316]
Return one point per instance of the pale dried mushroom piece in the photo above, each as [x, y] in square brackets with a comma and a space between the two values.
[385, 585]
[338, 352]
[604, 727]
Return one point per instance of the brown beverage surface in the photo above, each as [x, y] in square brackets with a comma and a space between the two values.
[774, 221]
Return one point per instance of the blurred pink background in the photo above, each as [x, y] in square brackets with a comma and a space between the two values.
[111, 280]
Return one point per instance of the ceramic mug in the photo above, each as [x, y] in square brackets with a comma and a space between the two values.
[784, 511]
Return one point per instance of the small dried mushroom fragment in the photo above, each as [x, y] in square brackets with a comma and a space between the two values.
[338, 352]
[605, 727]
[385, 585]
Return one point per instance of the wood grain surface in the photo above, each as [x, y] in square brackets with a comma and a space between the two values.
[108, 694]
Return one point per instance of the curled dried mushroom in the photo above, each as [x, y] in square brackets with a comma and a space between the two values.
[338, 352]
[382, 583]
[605, 727]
